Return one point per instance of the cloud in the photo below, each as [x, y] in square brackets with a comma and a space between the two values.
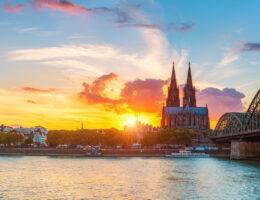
[35, 31]
[148, 96]
[233, 54]
[250, 47]
[142, 25]
[121, 15]
[96, 59]
[144, 95]
[153, 49]
[220, 101]
[177, 27]
[39, 90]
[31, 101]
[71, 8]
[8, 7]
[138, 95]
[27, 30]
[60, 5]
[229, 57]
[92, 93]
[181, 27]
[124, 17]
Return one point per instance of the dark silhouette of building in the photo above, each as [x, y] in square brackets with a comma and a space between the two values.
[189, 98]
[188, 116]
[173, 91]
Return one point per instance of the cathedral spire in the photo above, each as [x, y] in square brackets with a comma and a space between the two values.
[173, 91]
[189, 78]
[189, 98]
[173, 78]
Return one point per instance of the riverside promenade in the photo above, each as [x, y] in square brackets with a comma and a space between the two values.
[84, 153]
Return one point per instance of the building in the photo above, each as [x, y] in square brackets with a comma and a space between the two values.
[40, 135]
[6, 129]
[37, 133]
[187, 116]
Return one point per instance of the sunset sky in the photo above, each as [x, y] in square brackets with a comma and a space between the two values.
[105, 62]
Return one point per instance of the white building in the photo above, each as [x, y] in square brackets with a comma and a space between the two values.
[40, 135]
[37, 133]
[6, 129]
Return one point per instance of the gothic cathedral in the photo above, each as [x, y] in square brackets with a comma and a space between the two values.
[188, 115]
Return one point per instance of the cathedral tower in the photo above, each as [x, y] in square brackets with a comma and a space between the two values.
[173, 91]
[189, 98]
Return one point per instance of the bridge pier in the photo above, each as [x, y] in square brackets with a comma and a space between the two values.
[244, 150]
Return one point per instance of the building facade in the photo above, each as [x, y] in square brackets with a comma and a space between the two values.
[187, 116]
[37, 133]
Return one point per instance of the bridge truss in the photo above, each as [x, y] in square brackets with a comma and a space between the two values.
[231, 124]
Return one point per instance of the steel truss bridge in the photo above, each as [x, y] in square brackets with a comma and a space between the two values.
[239, 125]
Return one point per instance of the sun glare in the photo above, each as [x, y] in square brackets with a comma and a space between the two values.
[131, 121]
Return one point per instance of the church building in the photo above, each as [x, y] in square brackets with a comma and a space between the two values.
[187, 116]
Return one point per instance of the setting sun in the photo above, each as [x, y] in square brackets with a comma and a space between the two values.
[131, 121]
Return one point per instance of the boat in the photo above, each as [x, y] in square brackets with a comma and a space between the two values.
[187, 154]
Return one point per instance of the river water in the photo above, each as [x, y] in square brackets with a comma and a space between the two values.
[127, 178]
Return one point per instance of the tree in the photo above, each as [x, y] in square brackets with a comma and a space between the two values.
[11, 138]
[168, 136]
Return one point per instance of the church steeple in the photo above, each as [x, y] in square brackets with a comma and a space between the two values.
[189, 98]
[173, 78]
[189, 78]
[173, 91]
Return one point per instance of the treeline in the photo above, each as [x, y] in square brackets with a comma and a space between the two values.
[108, 137]
[12, 138]
[113, 137]
[168, 136]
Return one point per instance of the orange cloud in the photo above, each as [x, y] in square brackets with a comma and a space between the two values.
[61, 5]
[148, 96]
[139, 95]
[8, 7]
[144, 95]
[39, 90]
[92, 93]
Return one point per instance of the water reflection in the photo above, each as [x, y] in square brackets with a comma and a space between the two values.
[127, 178]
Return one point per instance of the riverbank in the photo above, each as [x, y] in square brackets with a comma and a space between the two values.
[104, 152]
[84, 153]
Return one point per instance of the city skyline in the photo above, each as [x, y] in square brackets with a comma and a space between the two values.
[101, 63]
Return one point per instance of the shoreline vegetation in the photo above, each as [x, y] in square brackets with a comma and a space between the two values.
[96, 143]
[114, 137]
[106, 138]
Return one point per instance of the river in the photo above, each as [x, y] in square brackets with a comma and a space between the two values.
[32, 177]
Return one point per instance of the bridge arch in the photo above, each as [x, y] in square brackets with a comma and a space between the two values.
[229, 123]
[234, 123]
[252, 118]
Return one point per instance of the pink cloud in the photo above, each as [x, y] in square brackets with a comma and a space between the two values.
[61, 5]
[8, 7]
[220, 101]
